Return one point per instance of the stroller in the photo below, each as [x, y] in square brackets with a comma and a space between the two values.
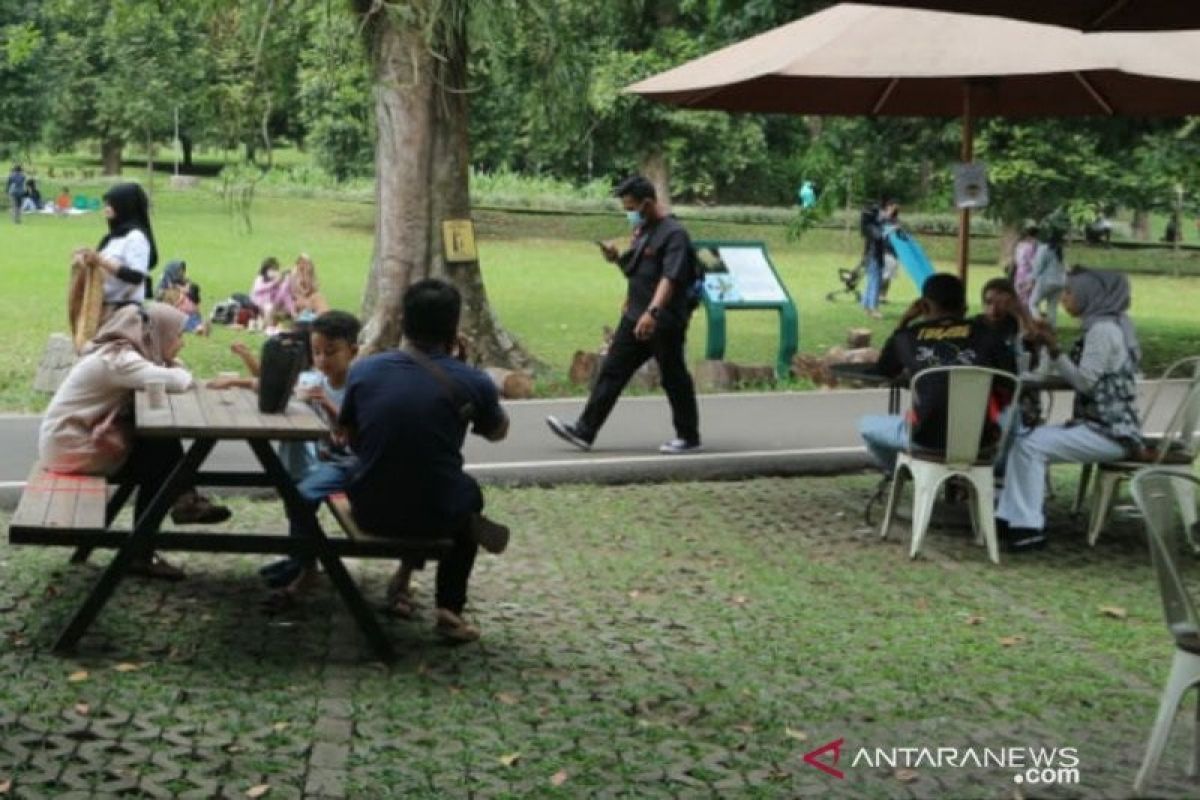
[850, 279]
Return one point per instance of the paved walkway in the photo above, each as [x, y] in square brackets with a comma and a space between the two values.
[745, 434]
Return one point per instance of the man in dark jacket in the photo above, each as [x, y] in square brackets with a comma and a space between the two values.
[939, 336]
[659, 267]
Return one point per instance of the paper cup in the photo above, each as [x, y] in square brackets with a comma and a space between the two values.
[156, 394]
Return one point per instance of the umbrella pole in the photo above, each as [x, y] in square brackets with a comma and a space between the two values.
[966, 156]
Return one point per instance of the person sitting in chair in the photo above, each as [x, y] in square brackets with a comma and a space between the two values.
[933, 333]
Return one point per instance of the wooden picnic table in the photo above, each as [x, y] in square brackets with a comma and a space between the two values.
[206, 416]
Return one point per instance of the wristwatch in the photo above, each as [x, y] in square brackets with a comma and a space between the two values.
[653, 311]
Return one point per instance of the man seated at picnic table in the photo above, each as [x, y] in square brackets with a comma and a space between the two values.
[933, 332]
[406, 413]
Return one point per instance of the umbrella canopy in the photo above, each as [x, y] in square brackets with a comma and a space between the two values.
[856, 60]
[1084, 15]
[862, 60]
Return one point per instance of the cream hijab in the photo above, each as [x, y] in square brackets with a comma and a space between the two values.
[151, 330]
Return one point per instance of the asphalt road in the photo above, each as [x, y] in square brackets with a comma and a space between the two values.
[745, 434]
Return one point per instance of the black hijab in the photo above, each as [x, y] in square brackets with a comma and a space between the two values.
[131, 212]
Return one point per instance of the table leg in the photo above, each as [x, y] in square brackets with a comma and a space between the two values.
[138, 543]
[119, 498]
[338, 575]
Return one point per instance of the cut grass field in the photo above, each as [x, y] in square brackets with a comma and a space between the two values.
[543, 275]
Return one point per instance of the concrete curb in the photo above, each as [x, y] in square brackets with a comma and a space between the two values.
[621, 470]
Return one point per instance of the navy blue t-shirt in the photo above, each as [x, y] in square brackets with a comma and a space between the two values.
[408, 435]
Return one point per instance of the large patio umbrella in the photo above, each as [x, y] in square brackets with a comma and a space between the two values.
[861, 60]
[1084, 15]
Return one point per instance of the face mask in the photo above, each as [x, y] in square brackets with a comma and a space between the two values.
[635, 218]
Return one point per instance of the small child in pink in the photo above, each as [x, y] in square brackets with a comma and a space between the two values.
[272, 293]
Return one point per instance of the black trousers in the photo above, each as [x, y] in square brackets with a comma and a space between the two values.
[150, 463]
[625, 355]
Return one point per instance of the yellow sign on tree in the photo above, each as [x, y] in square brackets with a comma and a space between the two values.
[458, 240]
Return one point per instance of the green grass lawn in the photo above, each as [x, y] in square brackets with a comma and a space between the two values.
[543, 274]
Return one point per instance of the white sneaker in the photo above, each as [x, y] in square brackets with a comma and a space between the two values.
[679, 446]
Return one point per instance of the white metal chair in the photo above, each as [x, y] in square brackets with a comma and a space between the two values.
[1164, 495]
[1177, 447]
[969, 393]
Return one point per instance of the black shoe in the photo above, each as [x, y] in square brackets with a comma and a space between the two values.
[568, 433]
[1019, 540]
[489, 534]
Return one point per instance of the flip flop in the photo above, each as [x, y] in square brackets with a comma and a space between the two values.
[157, 569]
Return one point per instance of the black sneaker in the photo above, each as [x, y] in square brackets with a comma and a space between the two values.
[568, 433]
[1019, 540]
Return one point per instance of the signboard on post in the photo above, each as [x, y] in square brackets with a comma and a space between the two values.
[970, 185]
[458, 241]
[740, 276]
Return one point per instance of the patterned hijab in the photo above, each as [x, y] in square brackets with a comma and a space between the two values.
[150, 330]
[1099, 295]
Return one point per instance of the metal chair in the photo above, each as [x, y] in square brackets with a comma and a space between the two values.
[969, 393]
[1176, 447]
[1164, 495]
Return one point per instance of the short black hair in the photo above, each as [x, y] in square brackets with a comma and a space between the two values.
[431, 312]
[638, 187]
[945, 291]
[999, 285]
[335, 325]
[270, 262]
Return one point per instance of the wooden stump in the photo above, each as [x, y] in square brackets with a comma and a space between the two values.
[814, 368]
[57, 360]
[511, 385]
[584, 367]
[714, 376]
[755, 375]
[858, 337]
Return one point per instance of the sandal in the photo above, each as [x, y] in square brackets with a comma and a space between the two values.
[157, 568]
[400, 605]
[453, 628]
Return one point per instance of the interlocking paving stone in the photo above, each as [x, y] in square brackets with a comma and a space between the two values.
[690, 640]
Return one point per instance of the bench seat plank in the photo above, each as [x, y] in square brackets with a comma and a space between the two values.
[339, 504]
[58, 501]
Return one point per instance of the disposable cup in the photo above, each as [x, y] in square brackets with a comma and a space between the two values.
[156, 394]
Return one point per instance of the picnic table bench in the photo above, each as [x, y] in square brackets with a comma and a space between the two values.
[79, 510]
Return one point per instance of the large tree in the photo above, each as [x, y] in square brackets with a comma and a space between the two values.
[418, 52]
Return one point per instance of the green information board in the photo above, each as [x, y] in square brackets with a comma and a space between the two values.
[740, 276]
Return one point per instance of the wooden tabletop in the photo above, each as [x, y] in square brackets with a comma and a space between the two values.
[224, 414]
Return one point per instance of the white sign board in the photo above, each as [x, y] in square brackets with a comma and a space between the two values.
[970, 185]
[753, 279]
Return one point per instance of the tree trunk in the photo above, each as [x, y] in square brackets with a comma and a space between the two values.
[655, 167]
[1141, 226]
[1009, 234]
[110, 155]
[421, 166]
[186, 145]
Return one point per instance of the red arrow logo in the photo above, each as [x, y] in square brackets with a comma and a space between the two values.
[829, 769]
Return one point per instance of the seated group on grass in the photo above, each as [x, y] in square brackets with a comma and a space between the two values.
[1101, 367]
[291, 294]
[398, 422]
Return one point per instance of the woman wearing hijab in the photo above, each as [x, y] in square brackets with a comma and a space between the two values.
[127, 252]
[1102, 369]
[88, 427]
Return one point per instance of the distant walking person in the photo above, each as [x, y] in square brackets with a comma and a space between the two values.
[15, 189]
[660, 270]
[873, 225]
[1049, 277]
